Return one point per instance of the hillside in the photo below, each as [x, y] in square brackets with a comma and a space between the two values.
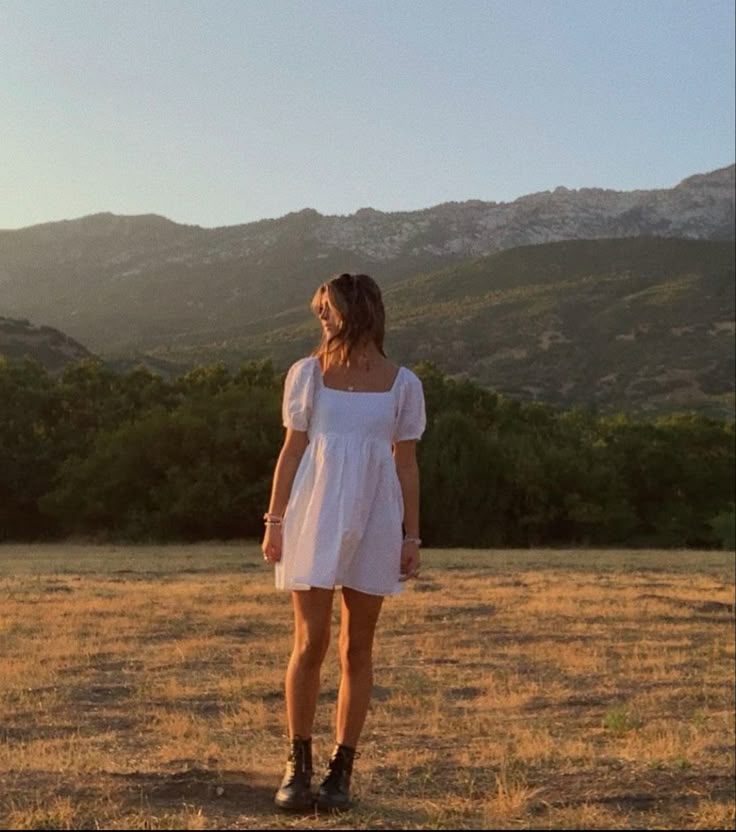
[123, 285]
[639, 325]
[19, 339]
[642, 325]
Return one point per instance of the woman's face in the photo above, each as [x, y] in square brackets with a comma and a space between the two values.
[328, 317]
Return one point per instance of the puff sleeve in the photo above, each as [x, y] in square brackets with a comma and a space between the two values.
[296, 407]
[411, 418]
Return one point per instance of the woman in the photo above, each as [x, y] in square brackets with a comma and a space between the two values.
[344, 512]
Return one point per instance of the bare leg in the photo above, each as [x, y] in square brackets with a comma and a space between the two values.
[312, 617]
[359, 615]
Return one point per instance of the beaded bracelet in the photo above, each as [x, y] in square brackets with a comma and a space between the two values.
[417, 540]
[272, 519]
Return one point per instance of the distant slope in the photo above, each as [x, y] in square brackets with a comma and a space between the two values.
[19, 340]
[640, 325]
[126, 284]
[637, 325]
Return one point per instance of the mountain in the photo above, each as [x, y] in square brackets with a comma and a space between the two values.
[136, 284]
[19, 339]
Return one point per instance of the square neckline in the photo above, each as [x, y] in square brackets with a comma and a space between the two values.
[357, 392]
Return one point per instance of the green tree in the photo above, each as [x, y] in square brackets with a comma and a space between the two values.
[28, 454]
[201, 471]
[459, 483]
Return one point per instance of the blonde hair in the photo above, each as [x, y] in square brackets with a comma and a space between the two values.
[359, 305]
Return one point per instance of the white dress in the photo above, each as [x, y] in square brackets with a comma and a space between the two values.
[343, 521]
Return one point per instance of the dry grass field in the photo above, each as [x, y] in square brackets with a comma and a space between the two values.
[142, 688]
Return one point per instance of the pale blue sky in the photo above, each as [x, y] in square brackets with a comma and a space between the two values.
[218, 112]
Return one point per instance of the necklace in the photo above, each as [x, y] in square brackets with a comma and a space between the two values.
[364, 364]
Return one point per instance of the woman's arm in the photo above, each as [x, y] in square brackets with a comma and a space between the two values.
[295, 443]
[407, 469]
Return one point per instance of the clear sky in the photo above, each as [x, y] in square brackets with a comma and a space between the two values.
[217, 112]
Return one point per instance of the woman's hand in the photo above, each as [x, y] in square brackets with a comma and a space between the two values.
[271, 546]
[409, 560]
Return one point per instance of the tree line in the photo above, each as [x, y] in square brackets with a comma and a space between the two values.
[101, 455]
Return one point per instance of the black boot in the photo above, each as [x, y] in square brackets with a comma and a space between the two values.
[295, 793]
[334, 791]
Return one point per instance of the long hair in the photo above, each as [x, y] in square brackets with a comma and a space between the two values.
[357, 300]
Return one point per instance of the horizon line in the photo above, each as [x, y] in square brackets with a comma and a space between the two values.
[310, 210]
